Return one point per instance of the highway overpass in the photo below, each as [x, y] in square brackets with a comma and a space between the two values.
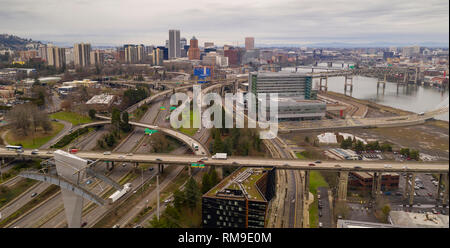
[287, 164]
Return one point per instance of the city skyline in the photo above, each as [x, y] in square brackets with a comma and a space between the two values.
[299, 23]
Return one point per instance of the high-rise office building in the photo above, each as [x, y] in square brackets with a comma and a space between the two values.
[42, 52]
[194, 51]
[81, 54]
[131, 53]
[249, 43]
[141, 55]
[56, 56]
[165, 51]
[158, 56]
[174, 44]
[183, 42]
[232, 55]
[97, 57]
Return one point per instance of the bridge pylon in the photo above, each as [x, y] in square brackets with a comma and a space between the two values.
[348, 83]
[323, 87]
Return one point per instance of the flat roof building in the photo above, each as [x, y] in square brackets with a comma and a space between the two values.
[418, 220]
[240, 200]
[286, 84]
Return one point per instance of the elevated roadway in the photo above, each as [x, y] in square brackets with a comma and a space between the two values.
[285, 164]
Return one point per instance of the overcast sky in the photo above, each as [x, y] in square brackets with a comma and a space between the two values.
[302, 22]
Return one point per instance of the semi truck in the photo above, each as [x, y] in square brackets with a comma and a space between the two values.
[195, 146]
[220, 156]
[119, 193]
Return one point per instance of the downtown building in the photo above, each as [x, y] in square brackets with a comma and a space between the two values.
[296, 98]
[249, 43]
[174, 44]
[194, 51]
[82, 54]
[134, 53]
[56, 56]
[240, 200]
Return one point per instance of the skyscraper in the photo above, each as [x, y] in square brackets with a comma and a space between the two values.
[81, 54]
[194, 51]
[174, 44]
[131, 54]
[56, 56]
[249, 43]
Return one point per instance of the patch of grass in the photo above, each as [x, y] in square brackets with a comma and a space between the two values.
[300, 155]
[189, 131]
[52, 189]
[36, 140]
[316, 180]
[71, 117]
[314, 214]
[9, 193]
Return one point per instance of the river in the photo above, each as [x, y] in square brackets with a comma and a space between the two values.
[411, 98]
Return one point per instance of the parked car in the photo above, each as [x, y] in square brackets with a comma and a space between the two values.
[34, 194]
[318, 162]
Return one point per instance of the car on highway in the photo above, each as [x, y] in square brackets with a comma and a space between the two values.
[124, 164]
[311, 164]
[158, 159]
[405, 167]
[337, 166]
[88, 182]
[130, 154]
[84, 224]
[357, 167]
[49, 152]
[150, 169]
[235, 163]
[107, 153]
[167, 201]
[387, 166]
[34, 194]
[35, 151]
[318, 162]
[204, 158]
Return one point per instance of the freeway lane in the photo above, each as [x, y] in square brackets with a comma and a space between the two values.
[430, 167]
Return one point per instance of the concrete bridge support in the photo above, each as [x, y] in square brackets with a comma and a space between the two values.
[160, 168]
[443, 180]
[321, 86]
[408, 192]
[342, 187]
[376, 184]
[383, 83]
[109, 166]
[306, 189]
[348, 83]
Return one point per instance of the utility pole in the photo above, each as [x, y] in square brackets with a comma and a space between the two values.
[157, 197]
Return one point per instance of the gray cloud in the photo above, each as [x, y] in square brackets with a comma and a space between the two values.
[281, 21]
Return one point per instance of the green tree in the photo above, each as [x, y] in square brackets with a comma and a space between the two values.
[414, 154]
[92, 113]
[218, 144]
[192, 192]
[405, 152]
[178, 199]
[359, 146]
[206, 183]
[115, 117]
[347, 143]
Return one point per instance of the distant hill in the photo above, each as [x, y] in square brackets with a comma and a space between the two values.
[13, 42]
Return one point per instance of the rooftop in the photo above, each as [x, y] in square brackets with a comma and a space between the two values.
[418, 220]
[243, 179]
[101, 99]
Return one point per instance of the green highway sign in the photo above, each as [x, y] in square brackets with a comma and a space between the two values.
[162, 108]
[195, 165]
[150, 131]
[173, 108]
[352, 67]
